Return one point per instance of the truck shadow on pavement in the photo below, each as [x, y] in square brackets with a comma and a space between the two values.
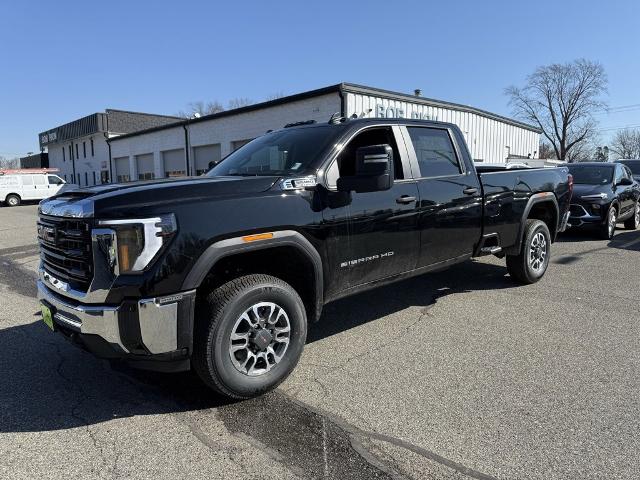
[423, 291]
[48, 384]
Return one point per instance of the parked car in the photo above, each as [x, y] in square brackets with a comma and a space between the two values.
[222, 272]
[604, 195]
[634, 166]
[18, 187]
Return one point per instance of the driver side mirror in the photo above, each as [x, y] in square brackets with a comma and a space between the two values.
[625, 182]
[374, 170]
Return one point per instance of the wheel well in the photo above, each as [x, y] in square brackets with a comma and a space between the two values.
[12, 195]
[286, 263]
[546, 212]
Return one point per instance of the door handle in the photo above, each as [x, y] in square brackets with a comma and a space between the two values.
[470, 191]
[405, 199]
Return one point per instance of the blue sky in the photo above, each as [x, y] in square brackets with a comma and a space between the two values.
[63, 60]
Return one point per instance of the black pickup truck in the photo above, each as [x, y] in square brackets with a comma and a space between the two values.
[222, 272]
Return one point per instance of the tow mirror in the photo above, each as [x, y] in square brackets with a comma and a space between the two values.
[374, 170]
[625, 182]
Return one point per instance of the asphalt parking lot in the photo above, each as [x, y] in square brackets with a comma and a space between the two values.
[458, 374]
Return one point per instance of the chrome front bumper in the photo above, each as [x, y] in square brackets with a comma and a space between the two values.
[158, 319]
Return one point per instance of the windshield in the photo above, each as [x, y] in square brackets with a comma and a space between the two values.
[633, 165]
[591, 175]
[285, 152]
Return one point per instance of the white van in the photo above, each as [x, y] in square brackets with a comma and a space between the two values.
[15, 188]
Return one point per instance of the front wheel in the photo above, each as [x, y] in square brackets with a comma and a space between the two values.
[249, 335]
[609, 227]
[12, 200]
[531, 263]
[634, 222]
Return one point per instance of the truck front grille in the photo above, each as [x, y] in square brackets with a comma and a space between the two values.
[65, 250]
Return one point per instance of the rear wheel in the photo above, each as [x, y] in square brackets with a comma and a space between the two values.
[634, 221]
[249, 335]
[531, 263]
[609, 227]
[12, 200]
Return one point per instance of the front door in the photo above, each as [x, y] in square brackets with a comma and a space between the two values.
[370, 236]
[450, 208]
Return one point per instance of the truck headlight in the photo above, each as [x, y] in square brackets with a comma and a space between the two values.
[139, 240]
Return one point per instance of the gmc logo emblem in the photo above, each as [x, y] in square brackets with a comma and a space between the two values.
[47, 234]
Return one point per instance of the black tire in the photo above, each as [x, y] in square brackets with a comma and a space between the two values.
[519, 266]
[216, 317]
[608, 229]
[12, 200]
[634, 221]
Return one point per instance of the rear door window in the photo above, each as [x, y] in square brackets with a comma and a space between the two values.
[434, 152]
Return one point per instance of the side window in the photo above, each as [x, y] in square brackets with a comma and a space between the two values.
[53, 180]
[39, 180]
[627, 172]
[434, 151]
[346, 161]
[619, 174]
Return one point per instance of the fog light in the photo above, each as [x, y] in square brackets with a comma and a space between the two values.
[596, 206]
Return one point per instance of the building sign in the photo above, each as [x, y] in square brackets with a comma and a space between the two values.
[399, 112]
[48, 137]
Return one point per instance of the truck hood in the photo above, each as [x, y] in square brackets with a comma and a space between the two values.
[103, 200]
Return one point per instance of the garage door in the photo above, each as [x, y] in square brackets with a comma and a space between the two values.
[174, 163]
[145, 166]
[204, 155]
[122, 169]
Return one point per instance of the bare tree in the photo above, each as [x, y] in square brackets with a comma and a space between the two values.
[545, 151]
[200, 108]
[275, 96]
[9, 162]
[626, 143]
[561, 100]
[239, 102]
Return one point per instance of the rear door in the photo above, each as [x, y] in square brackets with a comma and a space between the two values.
[450, 208]
[28, 188]
[40, 187]
[370, 236]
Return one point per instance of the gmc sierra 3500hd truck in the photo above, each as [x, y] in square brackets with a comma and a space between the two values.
[222, 272]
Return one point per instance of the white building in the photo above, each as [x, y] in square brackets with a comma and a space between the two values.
[79, 149]
[189, 147]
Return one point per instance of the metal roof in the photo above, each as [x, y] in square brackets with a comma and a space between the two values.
[339, 88]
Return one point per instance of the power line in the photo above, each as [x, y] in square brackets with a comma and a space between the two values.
[619, 109]
[622, 127]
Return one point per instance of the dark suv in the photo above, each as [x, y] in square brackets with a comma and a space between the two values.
[604, 195]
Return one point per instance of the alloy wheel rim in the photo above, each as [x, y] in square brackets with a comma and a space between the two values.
[259, 339]
[612, 221]
[538, 252]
